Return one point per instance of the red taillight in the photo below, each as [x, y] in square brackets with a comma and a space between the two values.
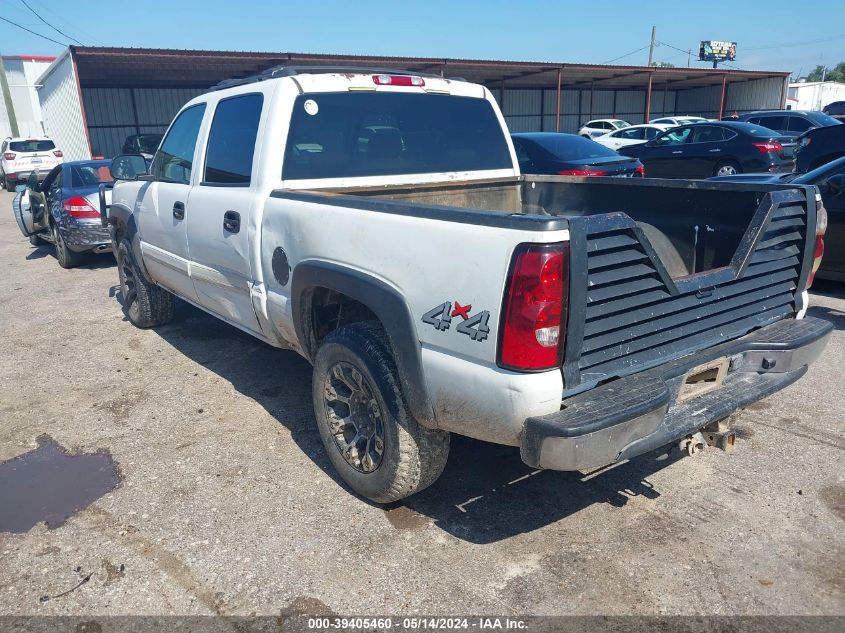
[80, 208]
[818, 253]
[534, 315]
[398, 80]
[58, 153]
[9, 155]
[582, 172]
[640, 171]
[768, 146]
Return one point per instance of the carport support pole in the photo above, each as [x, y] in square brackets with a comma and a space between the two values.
[648, 98]
[7, 97]
[722, 99]
[557, 102]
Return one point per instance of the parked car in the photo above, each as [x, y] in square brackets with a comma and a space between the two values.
[836, 110]
[715, 148]
[597, 127]
[391, 240]
[788, 122]
[63, 209]
[143, 144]
[830, 179]
[818, 147]
[19, 157]
[675, 121]
[632, 135]
[570, 155]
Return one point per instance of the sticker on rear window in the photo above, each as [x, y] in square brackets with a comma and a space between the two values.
[311, 107]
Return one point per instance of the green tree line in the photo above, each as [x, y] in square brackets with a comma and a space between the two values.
[837, 73]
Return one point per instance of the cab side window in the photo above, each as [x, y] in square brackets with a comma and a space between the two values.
[175, 158]
[231, 141]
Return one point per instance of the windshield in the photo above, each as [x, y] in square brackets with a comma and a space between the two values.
[337, 135]
[148, 143]
[91, 175]
[621, 124]
[571, 147]
[820, 118]
[31, 146]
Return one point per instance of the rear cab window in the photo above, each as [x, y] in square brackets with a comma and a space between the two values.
[353, 134]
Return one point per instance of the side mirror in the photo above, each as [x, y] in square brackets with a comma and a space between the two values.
[128, 167]
[836, 184]
[32, 182]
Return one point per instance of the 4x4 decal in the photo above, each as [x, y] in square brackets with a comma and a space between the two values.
[475, 326]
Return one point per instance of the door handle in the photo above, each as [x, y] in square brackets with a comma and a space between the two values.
[678, 151]
[232, 221]
[179, 210]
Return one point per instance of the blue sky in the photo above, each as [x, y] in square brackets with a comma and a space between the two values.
[771, 34]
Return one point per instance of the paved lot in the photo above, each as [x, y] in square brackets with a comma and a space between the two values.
[228, 505]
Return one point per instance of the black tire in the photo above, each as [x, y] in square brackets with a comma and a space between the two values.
[412, 456]
[66, 257]
[9, 184]
[35, 240]
[725, 165]
[146, 305]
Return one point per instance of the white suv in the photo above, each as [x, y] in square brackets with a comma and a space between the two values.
[598, 127]
[19, 157]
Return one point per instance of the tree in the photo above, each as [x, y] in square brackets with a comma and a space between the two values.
[663, 64]
[837, 73]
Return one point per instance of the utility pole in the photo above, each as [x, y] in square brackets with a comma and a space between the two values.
[689, 56]
[7, 98]
[651, 48]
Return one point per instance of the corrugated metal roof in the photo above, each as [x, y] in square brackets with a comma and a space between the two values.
[116, 67]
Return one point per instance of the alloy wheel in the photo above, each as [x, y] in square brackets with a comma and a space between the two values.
[354, 416]
[726, 170]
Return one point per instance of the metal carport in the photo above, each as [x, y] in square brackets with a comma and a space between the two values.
[94, 97]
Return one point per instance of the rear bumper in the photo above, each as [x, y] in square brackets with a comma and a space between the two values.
[81, 237]
[636, 414]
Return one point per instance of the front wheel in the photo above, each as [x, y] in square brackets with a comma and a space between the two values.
[35, 240]
[728, 168]
[372, 440]
[146, 305]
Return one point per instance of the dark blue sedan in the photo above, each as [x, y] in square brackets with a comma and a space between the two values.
[63, 209]
[560, 154]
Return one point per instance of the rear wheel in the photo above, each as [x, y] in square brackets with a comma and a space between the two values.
[66, 257]
[9, 184]
[372, 440]
[146, 305]
[727, 168]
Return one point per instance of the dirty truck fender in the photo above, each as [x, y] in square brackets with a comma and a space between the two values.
[122, 224]
[387, 304]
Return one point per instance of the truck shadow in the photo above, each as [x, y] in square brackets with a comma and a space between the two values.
[486, 492]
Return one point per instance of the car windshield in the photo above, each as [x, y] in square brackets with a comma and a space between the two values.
[621, 124]
[571, 147]
[821, 119]
[148, 143]
[31, 146]
[91, 175]
[348, 134]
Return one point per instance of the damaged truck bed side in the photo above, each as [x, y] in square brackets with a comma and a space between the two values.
[378, 225]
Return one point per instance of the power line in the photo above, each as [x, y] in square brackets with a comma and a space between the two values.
[33, 32]
[627, 54]
[35, 13]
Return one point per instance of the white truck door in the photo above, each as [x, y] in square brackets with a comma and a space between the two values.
[164, 205]
[219, 228]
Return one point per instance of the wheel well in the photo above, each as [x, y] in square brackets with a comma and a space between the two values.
[325, 310]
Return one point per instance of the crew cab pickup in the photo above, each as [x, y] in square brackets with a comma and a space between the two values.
[376, 223]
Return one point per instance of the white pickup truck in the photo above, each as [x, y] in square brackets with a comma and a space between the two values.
[376, 223]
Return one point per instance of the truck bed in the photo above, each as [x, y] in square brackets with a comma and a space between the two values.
[670, 267]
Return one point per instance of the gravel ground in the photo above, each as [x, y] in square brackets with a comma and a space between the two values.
[227, 504]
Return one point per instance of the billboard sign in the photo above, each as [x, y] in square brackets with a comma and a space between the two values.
[715, 51]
